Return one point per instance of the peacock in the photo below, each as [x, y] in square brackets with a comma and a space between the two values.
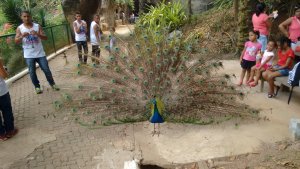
[164, 64]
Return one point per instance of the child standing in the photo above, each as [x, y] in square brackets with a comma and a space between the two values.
[248, 57]
[7, 128]
[264, 63]
[112, 41]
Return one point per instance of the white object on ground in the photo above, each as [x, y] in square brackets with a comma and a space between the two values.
[295, 128]
[131, 165]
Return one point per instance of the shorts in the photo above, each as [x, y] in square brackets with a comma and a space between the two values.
[246, 64]
[283, 72]
[264, 67]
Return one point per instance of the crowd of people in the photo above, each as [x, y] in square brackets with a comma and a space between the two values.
[258, 57]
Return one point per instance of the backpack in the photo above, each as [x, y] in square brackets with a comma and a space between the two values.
[294, 75]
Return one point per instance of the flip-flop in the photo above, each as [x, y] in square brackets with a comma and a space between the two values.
[270, 95]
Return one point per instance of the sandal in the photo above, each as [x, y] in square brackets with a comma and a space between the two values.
[250, 81]
[270, 95]
[12, 133]
[3, 138]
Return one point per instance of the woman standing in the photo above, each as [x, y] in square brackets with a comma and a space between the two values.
[262, 24]
[291, 29]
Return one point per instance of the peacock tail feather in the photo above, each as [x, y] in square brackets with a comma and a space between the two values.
[163, 64]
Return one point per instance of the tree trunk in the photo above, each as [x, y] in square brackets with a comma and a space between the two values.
[244, 23]
[190, 10]
[111, 15]
[236, 11]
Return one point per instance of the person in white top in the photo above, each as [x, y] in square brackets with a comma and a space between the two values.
[7, 128]
[80, 30]
[31, 35]
[263, 64]
[95, 36]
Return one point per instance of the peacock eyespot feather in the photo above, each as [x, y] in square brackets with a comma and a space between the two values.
[151, 73]
[141, 69]
[93, 74]
[181, 67]
[157, 80]
[185, 58]
[78, 72]
[131, 66]
[109, 36]
[125, 78]
[123, 90]
[113, 90]
[135, 78]
[113, 81]
[112, 58]
[74, 110]
[173, 69]
[150, 60]
[124, 57]
[137, 45]
[78, 65]
[79, 87]
[158, 65]
[148, 50]
[146, 83]
[173, 58]
[117, 69]
[117, 49]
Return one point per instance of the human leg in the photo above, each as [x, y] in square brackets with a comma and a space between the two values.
[252, 73]
[42, 61]
[32, 71]
[7, 115]
[79, 47]
[242, 77]
[85, 48]
[248, 74]
[271, 78]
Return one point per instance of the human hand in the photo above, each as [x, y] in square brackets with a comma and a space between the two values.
[33, 32]
[25, 34]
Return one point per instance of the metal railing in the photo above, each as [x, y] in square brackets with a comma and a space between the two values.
[59, 36]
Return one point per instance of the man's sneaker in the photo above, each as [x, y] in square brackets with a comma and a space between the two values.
[54, 87]
[38, 90]
[3, 137]
[12, 133]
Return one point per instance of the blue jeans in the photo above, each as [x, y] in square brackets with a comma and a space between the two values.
[263, 40]
[43, 63]
[7, 124]
[80, 45]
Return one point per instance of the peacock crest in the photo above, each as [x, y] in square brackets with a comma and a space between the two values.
[165, 64]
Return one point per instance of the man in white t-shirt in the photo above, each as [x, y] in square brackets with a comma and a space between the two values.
[95, 36]
[7, 128]
[31, 35]
[80, 30]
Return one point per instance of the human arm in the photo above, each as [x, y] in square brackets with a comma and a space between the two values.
[283, 27]
[19, 36]
[286, 65]
[96, 31]
[76, 28]
[40, 33]
[265, 61]
[243, 52]
[3, 72]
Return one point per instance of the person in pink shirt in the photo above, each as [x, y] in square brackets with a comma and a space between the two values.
[291, 29]
[248, 57]
[261, 23]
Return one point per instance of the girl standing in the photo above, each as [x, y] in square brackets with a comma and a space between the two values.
[248, 58]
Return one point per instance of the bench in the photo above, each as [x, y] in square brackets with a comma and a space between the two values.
[283, 83]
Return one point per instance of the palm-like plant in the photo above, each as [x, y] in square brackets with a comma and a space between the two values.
[11, 10]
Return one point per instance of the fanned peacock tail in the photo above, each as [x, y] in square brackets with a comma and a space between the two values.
[162, 64]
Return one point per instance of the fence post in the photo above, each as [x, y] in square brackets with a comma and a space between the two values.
[53, 43]
[68, 33]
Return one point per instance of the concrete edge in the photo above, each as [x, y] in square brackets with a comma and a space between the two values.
[25, 72]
